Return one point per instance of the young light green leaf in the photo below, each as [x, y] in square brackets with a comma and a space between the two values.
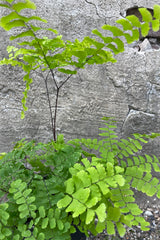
[146, 15]
[103, 187]
[84, 176]
[82, 195]
[90, 216]
[18, 7]
[115, 30]
[145, 29]
[155, 25]
[27, 33]
[101, 212]
[64, 202]
[125, 23]
[134, 20]
[156, 11]
[92, 202]
[76, 207]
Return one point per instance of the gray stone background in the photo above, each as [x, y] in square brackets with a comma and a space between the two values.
[128, 90]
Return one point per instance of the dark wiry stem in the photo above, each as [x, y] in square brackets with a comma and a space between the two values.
[50, 107]
[55, 114]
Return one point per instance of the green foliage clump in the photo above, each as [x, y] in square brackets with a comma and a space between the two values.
[51, 188]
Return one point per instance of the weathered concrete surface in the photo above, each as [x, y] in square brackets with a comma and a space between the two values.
[129, 90]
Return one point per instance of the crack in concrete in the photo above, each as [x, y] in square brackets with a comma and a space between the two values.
[94, 6]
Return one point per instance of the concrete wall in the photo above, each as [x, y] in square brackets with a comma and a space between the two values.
[129, 90]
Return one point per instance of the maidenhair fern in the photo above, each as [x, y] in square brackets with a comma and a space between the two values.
[107, 182]
[51, 188]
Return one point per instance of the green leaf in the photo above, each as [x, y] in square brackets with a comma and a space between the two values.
[129, 38]
[31, 200]
[4, 5]
[155, 25]
[69, 186]
[57, 213]
[110, 169]
[27, 192]
[60, 225]
[93, 174]
[101, 171]
[100, 227]
[120, 180]
[42, 212]
[110, 228]
[7, 232]
[146, 15]
[6, 19]
[90, 216]
[134, 20]
[82, 195]
[52, 30]
[145, 29]
[103, 187]
[113, 214]
[92, 202]
[28, 33]
[52, 223]
[125, 23]
[76, 207]
[85, 178]
[120, 45]
[135, 210]
[121, 229]
[15, 23]
[135, 34]
[9, 1]
[115, 30]
[24, 214]
[4, 206]
[16, 184]
[41, 236]
[44, 223]
[22, 115]
[156, 11]
[4, 215]
[36, 18]
[23, 207]
[23, 5]
[101, 212]
[96, 32]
